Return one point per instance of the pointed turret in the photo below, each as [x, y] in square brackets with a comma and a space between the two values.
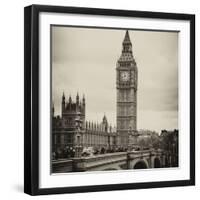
[63, 102]
[105, 123]
[105, 119]
[127, 45]
[83, 104]
[83, 100]
[77, 98]
[63, 98]
[126, 55]
[70, 99]
[127, 38]
[86, 125]
[110, 128]
[89, 126]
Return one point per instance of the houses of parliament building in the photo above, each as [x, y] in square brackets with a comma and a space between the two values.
[72, 131]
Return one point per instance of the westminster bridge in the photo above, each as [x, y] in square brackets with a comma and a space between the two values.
[115, 161]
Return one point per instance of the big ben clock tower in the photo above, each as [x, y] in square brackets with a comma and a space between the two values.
[127, 79]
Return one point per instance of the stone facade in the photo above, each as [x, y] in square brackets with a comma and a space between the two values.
[127, 81]
[72, 133]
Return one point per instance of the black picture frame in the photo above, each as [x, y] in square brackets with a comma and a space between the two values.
[31, 98]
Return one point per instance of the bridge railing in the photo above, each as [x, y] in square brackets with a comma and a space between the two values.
[93, 162]
[62, 165]
[145, 152]
[85, 163]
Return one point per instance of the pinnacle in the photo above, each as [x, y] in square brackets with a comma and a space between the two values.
[127, 38]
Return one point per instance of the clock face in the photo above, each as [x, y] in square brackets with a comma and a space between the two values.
[124, 76]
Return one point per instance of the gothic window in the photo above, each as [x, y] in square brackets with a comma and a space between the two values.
[58, 138]
[65, 139]
[124, 95]
[55, 140]
[122, 123]
[62, 139]
[78, 139]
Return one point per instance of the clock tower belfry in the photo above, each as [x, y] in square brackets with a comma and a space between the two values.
[126, 83]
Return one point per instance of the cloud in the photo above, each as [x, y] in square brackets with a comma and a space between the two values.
[84, 60]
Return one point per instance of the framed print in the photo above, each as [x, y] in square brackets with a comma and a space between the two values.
[109, 99]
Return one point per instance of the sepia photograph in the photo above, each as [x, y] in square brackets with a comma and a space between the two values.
[109, 99]
[114, 99]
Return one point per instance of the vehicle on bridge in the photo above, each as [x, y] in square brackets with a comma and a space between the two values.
[88, 151]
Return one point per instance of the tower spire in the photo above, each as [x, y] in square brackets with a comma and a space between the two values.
[70, 99]
[83, 99]
[77, 98]
[127, 38]
[63, 97]
[105, 122]
[127, 55]
[63, 102]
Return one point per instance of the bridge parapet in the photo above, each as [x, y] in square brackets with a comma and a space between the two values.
[89, 163]
[112, 161]
[146, 156]
[141, 154]
[147, 152]
[62, 165]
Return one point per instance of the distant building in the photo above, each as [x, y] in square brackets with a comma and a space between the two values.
[72, 131]
[169, 140]
[146, 133]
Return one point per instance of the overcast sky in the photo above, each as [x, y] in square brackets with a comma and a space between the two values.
[84, 61]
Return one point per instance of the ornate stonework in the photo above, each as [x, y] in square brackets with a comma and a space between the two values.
[127, 80]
